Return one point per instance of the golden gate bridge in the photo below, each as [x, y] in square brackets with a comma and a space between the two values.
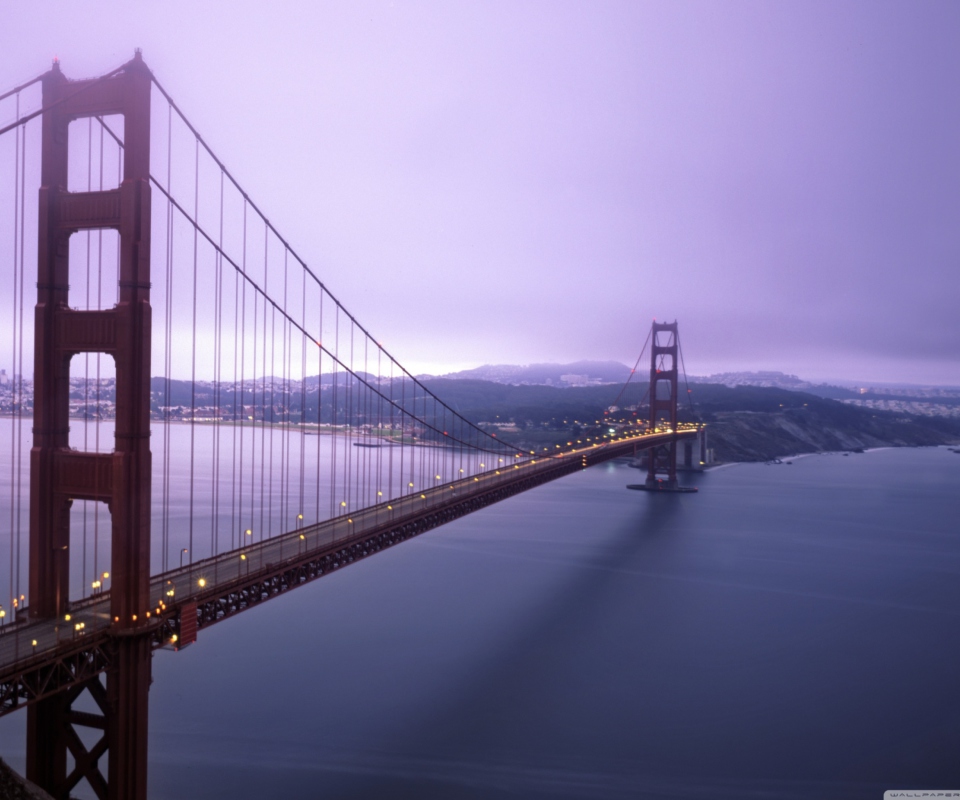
[288, 442]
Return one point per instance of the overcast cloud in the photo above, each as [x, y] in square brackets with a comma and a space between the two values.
[534, 181]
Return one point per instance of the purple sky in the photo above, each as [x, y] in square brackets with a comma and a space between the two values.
[517, 182]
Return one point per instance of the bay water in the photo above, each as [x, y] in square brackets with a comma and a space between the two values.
[790, 631]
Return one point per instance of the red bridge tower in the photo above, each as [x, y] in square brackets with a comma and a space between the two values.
[664, 345]
[121, 479]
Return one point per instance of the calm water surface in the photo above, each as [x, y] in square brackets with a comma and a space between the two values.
[790, 631]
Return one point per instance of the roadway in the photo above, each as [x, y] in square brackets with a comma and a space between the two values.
[264, 569]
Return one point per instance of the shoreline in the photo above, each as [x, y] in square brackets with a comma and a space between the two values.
[864, 451]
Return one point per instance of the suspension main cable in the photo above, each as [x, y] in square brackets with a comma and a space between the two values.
[17, 89]
[686, 385]
[293, 252]
[248, 280]
[24, 120]
[249, 203]
[634, 370]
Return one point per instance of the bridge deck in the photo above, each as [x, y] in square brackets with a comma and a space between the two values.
[38, 658]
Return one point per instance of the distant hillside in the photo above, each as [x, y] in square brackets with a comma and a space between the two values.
[775, 380]
[578, 373]
[746, 423]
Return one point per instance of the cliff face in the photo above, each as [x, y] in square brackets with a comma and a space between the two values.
[15, 787]
[761, 436]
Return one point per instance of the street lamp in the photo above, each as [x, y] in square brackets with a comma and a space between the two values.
[183, 552]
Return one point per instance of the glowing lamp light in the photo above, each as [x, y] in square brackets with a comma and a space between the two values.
[202, 582]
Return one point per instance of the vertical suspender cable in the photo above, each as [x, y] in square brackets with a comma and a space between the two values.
[253, 426]
[15, 464]
[243, 365]
[303, 405]
[167, 354]
[263, 390]
[218, 384]
[235, 415]
[193, 346]
[99, 415]
[19, 379]
[333, 439]
[86, 362]
[285, 417]
[272, 378]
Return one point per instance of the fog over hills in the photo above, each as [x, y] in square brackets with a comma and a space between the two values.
[578, 373]
[597, 373]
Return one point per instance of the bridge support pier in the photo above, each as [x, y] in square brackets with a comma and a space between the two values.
[127, 698]
[57, 757]
[46, 742]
